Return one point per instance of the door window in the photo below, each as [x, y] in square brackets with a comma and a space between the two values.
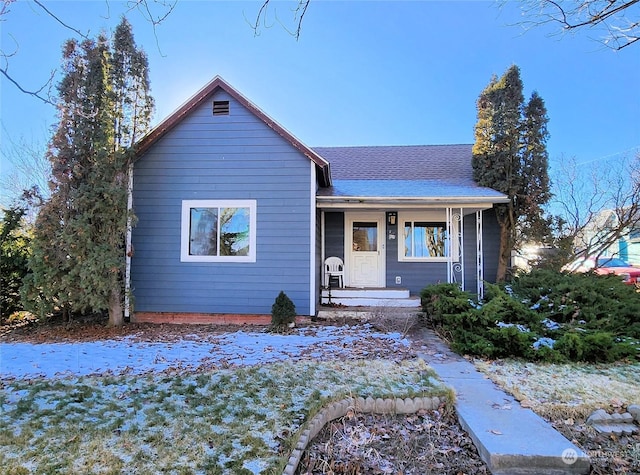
[365, 236]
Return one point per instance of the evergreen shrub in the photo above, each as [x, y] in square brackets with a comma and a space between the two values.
[283, 312]
[15, 248]
[542, 316]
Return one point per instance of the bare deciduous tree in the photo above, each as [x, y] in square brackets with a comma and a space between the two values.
[298, 12]
[617, 22]
[25, 167]
[599, 204]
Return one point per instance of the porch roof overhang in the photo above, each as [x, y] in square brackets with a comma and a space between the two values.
[407, 193]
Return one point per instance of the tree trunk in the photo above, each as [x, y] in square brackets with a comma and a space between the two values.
[116, 316]
[504, 254]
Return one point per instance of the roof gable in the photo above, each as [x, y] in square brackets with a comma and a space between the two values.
[204, 94]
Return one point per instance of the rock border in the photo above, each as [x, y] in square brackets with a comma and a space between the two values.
[616, 423]
[338, 409]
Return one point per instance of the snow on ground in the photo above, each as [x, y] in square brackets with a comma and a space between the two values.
[131, 355]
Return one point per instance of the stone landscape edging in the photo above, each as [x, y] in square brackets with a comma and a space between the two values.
[338, 409]
[616, 423]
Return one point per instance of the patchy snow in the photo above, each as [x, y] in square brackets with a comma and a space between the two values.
[544, 342]
[550, 324]
[521, 328]
[132, 356]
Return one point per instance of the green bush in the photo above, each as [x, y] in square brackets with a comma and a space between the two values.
[511, 341]
[571, 346]
[604, 303]
[440, 301]
[14, 260]
[466, 342]
[542, 316]
[283, 312]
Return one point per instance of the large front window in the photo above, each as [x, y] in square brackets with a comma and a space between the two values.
[218, 231]
[424, 237]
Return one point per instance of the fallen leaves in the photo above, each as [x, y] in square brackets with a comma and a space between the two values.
[415, 444]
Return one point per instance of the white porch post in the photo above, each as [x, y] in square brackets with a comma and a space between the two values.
[455, 246]
[313, 242]
[479, 256]
[128, 247]
[323, 252]
[450, 278]
[460, 219]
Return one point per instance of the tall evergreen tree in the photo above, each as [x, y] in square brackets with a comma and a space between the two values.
[532, 225]
[79, 247]
[509, 155]
[129, 75]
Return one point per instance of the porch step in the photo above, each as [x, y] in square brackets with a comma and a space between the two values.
[370, 298]
[366, 314]
[367, 293]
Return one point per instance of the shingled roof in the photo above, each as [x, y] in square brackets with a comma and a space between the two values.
[404, 162]
[413, 172]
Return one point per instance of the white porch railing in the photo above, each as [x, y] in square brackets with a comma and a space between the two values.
[455, 251]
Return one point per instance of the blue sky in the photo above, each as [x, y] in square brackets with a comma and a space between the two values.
[362, 72]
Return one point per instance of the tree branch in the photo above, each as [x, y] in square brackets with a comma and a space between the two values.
[52, 15]
[298, 16]
[37, 93]
[612, 15]
[143, 7]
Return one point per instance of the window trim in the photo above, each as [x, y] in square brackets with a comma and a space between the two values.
[433, 219]
[188, 205]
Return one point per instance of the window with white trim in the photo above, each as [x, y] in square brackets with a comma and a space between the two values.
[218, 231]
[423, 239]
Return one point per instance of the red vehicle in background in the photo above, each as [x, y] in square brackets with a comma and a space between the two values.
[607, 265]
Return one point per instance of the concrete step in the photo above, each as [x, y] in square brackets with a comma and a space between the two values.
[512, 440]
[413, 302]
[367, 293]
[365, 314]
[351, 297]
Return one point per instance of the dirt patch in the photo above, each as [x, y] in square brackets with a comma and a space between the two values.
[429, 442]
[96, 328]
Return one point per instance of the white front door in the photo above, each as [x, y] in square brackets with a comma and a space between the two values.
[365, 246]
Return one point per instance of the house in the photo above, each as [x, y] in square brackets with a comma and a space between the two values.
[231, 209]
[612, 233]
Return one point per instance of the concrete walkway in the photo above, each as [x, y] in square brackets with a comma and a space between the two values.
[509, 438]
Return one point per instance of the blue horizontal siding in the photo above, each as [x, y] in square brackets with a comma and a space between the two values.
[334, 234]
[490, 244]
[223, 157]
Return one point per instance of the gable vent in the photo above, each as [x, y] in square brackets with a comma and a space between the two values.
[220, 107]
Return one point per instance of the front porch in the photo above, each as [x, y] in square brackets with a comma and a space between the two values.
[389, 255]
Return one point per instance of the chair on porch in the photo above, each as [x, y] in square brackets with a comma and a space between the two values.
[333, 267]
